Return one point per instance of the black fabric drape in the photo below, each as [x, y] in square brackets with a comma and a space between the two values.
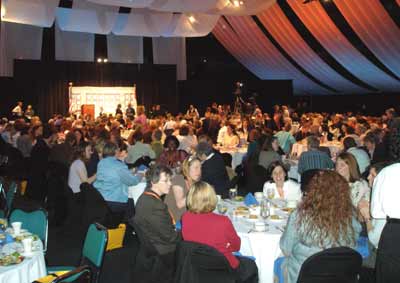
[44, 84]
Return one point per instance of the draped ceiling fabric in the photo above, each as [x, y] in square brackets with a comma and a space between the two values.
[218, 7]
[18, 42]
[171, 51]
[376, 30]
[74, 46]
[143, 22]
[271, 47]
[125, 49]
[39, 13]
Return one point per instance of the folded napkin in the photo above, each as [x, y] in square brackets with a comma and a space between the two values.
[178, 226]
[250, 200]
[240, 255]
[142, 168]
[362, 247]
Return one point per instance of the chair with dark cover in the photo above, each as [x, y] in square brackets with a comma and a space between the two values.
[150, 266]
[198, 263]
[95, 208]
[93, 251]
[34, 221]
[332, 265]
[82, 274]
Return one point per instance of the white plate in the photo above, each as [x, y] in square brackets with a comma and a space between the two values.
[251, 219]
[276, 220]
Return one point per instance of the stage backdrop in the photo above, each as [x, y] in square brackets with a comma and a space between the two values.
[101, 97]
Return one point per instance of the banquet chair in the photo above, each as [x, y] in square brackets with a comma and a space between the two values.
[150, 266]
[34, 221]
[80, 274]
[198, 263]
[332, 265]
[93, 251]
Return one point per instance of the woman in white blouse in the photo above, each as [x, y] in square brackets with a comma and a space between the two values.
[279, 186]
[230, 138]
[346, 165]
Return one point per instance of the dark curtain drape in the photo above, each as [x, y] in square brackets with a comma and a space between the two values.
[45, 84]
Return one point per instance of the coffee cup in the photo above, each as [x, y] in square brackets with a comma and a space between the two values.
[219, 198]
[16, 227]
[259, 226]
[259, 196]
[27, 243]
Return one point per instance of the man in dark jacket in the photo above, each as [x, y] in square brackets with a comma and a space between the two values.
[213, 169]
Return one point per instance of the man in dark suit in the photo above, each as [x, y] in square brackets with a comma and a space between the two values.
[213, 169]
[152, 214]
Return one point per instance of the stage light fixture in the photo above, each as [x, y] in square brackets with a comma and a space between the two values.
[3, 12]
[192, 19]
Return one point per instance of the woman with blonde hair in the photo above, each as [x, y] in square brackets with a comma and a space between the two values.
[324, 219]
[176, 198]
[201, 225]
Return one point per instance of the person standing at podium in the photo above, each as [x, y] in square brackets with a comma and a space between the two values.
[130, 112]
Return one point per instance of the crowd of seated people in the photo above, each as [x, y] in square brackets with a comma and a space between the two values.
[101, 152]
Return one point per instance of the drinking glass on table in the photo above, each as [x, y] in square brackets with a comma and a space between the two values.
[265, 209]
[232, 194]
[270, 193]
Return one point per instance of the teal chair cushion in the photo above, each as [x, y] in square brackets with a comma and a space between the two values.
[95, 244]
[53, 269]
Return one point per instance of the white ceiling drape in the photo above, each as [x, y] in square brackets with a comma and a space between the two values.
[39, 13]
[171, 51]
[125, 49]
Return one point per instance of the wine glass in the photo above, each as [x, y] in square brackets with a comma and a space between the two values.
[265, 210]
[270, 193]
[232, 194]
[222, 209]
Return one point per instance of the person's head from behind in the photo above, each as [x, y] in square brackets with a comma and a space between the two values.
[157, 135]
[205, 138]
[109, 149]
[159, 179]
[349, 142]
[203, 150]
[122, 149]
[191, 169]
[374, 170]
[267, 146]
[312, 142]
[201, 198]
[326, 211]
[370, 140]
[184, 130]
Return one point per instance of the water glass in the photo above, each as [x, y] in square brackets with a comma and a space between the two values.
[232, 194]
[265, 209]
[270, 193]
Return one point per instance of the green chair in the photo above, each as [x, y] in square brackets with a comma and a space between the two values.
[35, 222]
[82, 273]
[10, 195]
[93, 251]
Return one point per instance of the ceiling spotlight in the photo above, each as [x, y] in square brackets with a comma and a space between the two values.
[236, 3]
[192, 19]
[105, 60]
[3, 12]
[99, 60]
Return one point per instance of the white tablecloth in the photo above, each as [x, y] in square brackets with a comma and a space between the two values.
[134, 192]
[237, 154]
[264, 246]
[30, 269]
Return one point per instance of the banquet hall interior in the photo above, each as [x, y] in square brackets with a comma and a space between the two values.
[199, 141]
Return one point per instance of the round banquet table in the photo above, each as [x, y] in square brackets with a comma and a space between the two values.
[264, 246]
[237, 154]
[30, 269]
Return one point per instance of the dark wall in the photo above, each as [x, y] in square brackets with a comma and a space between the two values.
[45, 84]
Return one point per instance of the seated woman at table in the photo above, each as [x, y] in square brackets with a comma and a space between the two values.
[230, 139]
[346, 165]
[279, 185]
[324, 219]
[176, 198]
[113, 178]
[269, 152]
[171, 156]
[201, 225]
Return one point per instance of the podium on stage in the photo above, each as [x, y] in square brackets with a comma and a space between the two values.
[87, 109]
